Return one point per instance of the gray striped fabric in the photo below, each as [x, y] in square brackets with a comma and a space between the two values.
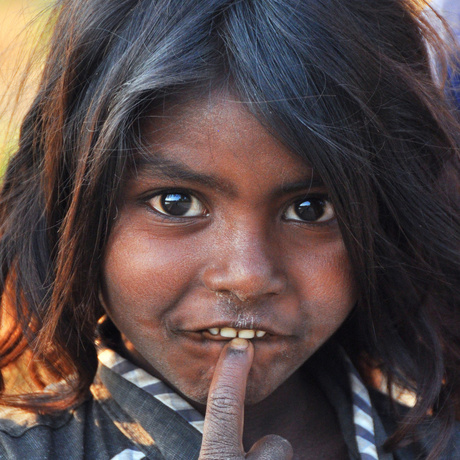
[151, 385]
[362, 408]
[362, 414]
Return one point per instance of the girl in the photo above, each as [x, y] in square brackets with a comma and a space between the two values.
[231, 219]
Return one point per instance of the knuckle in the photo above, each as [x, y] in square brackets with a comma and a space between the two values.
[225, 403]
[219, 448]
[216, 453]
[222, 433]
[224, 389]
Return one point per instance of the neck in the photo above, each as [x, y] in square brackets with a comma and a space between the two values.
[300, 412]
[279, 410]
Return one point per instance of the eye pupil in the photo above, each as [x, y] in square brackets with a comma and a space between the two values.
[310, 210]
[176, 204]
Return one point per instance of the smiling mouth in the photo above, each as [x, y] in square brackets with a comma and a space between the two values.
[231, 333]
[224, 331]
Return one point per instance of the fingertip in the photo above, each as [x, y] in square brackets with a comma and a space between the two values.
[239, 344]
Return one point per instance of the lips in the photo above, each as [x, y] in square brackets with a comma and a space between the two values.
[220, 330]
[231, 332]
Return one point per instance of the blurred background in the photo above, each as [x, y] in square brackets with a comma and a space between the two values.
[21, 25]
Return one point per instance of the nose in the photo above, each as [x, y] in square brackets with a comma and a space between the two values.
[245, 264]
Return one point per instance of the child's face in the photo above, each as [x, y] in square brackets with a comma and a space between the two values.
[220, 228]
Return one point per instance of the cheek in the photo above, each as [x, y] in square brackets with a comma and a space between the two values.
[150, 282]
[324, 279]
[139, 270]
[328, 271]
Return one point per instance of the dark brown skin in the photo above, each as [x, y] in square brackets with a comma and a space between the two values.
[297, 410]
[242, 258]
[223, 429]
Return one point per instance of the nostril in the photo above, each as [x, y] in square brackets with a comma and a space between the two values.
[244, 297]
[244, 277]
[236, 297]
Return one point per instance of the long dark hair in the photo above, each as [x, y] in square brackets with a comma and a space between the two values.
[348, 85]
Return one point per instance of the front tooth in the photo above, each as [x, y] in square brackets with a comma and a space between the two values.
[228, 332]
[260, 333]
[246, 334]
[214, 330]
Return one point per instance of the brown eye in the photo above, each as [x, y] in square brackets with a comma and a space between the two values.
[312, 210]
[178, 204]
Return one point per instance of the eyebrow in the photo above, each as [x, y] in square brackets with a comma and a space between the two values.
[313, 182]
[164, 168]
[159, 166]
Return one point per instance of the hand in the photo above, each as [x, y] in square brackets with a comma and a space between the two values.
[223, 427]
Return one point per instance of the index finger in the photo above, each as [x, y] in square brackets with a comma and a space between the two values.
[223, 427]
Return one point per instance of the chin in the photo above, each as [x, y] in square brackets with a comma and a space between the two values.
[256, 393]
[253, 399]
[197, 395]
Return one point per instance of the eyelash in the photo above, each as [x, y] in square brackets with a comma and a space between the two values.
[314, 201]
[157, 197]
[159, 200]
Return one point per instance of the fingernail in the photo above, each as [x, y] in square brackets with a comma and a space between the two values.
[239, 344]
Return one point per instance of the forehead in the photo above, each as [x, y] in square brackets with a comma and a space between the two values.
[217, 117]
[218, 134]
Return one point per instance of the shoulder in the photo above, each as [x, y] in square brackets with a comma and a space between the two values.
[30, 435]
[82, 432]
[427, 433]
[16, 422]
